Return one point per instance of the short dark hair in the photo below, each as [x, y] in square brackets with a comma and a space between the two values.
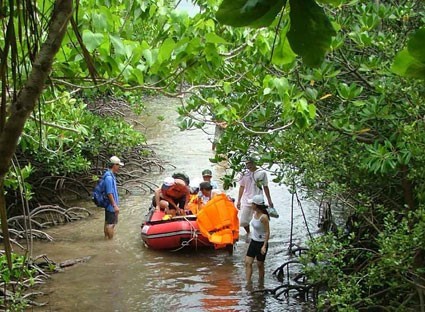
[182, 176]
[205, 186]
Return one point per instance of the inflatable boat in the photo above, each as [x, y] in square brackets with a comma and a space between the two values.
[214, 225]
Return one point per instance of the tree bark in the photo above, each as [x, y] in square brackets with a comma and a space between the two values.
[27, 99]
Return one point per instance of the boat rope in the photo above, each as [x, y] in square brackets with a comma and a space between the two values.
[193, 235]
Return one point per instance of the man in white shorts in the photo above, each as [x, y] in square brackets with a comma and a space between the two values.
[252, 182]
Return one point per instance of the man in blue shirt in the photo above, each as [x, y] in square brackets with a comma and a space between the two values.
[112, 210]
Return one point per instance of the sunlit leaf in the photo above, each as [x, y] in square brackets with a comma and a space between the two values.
[119, 47]
[147, 54]
[227, 87]
[166, 50]
[214, 38]
[312, 110]
[92, 40]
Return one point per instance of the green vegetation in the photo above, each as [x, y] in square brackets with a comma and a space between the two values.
[15, 281]
[331, 92]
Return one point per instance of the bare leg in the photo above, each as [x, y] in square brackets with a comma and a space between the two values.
[248, 268]
[260, 265]
[163, 204]
[105, 230]
[109, 231]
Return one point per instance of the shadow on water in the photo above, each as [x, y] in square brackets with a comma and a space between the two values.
[124, 275]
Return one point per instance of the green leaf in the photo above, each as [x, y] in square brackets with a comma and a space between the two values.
[254, 13]
[111, 65]
[138, 74]
[147, 54]
[416, 45]
[311, 31]
[166, 49]
[227, 87]
[332, 2]
[92, 40]
[214, 38]
[119, 47]
[281, 85]
[283, 53]
[406, 65]
[100, 21]
[136, 54]
[312, 110]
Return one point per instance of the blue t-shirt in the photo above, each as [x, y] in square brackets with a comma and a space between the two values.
[111, 188]
[214, 184]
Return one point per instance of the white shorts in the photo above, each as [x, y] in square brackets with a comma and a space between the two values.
[245, 214]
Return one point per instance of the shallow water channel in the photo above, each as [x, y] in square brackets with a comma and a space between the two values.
[124, 275]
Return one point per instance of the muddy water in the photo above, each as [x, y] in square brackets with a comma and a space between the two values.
[124, 275]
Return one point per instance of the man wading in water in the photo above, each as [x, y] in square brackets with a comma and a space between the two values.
[112, 210]
[252, 182]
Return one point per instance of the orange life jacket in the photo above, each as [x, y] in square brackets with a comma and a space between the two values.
[176, 191]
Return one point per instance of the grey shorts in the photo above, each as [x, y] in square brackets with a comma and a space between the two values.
[110, 217]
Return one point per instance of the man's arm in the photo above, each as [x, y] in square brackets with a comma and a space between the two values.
[187, 199]
[113, 203]
[241, 190]
[265, 221]
[267, 192]
[157, 198]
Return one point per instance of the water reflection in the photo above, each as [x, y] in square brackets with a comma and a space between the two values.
[123, 275]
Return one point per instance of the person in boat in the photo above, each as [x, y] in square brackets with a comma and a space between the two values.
[172, 196]
[112, 210]
[182, 176]
[207, 177]
[260, 235]
[206, 192]
[251, 182]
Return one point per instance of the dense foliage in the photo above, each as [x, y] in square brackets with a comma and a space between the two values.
[330, 92]
[350, 129]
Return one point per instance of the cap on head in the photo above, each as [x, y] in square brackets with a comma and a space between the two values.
[207, 173]
[116, 161]
[251, 159]
[258, 200]
[168, 181]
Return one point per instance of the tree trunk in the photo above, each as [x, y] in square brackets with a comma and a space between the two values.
[27, 99]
